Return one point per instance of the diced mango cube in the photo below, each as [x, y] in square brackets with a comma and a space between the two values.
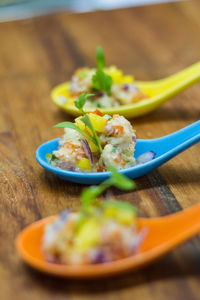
[88, 235]
[84, 164]
[115, 73]
[125, 217]
[93, 147]
[79, 123]
[127, 79]
[98, 122]
[110, 212]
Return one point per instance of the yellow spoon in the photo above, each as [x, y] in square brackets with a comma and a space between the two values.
[159, 92]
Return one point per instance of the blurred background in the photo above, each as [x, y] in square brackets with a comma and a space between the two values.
[21, 9]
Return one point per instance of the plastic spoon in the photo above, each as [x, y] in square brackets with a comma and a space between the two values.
[165, 148]
[164, 233]
[159, 92]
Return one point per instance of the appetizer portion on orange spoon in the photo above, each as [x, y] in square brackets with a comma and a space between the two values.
[103, 238]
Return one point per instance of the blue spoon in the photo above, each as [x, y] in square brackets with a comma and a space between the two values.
[164, 147]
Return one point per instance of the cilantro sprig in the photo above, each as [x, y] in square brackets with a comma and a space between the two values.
[86, 120]
[79, 103]
[101, 81]
[116, 179]
[75, 127]
[89, 195]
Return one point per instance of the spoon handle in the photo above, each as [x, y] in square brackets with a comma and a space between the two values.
[181, 136]
[169, 146]
[188, 75]
[175, 228]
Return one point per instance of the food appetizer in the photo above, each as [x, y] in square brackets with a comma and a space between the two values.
[94, 142]
[102, 231]
[110, 86]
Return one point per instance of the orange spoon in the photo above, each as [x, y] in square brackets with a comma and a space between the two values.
[164, 233]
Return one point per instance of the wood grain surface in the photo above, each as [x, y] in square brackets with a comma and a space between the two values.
[150, 42]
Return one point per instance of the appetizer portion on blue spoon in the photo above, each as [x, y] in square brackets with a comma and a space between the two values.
[94, 142]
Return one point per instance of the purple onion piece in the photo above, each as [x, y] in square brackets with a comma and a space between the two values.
[126, 87]
[133, 138]
[100, 94]
[72, 169]
[136, 244]
[88, 151]
[64, 215]
[146, 157]
[60, 222]
[99, 257]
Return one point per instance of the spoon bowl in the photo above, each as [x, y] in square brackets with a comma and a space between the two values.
[159, 92]
[165, 148]
[163, 234]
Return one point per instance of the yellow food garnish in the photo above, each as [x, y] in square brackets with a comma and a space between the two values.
[84, 163]
[79, 123]
[93, 147]
[88, 235]
[127, 79]
[98, 122]
[117, 75]
[123, 216]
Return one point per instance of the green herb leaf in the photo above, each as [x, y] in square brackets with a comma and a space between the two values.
[120, 181]
[89, 195]
[50, 157]
[86, 120]
[80, 101]
[102, 82]
[75, 127]
[116, 179]
[100, 58]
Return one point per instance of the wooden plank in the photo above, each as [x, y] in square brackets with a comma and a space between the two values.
[150, 42]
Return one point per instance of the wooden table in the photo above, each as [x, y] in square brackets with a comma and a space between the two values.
[35, 55]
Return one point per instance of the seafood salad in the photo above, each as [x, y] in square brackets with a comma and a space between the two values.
[100, 232]
[110, 86]
[94, 142]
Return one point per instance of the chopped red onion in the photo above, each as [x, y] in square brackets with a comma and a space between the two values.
[99, 257]
[146, 157]
[88, 151]
[133, 138]
[60, 222]
[136, 243]
[64, 165]
[100, 94]
[126, 87]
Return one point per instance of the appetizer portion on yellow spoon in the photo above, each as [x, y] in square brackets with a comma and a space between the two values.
[116, 93]
[109, 86]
